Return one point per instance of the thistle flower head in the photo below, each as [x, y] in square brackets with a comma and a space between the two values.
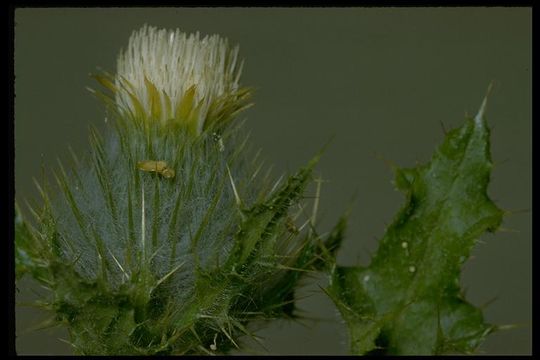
[165, 75]
[162, 241]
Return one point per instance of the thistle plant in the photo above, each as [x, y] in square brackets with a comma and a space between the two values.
[171, 237]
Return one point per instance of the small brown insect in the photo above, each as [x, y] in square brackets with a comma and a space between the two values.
[289, 223]
[159, 167]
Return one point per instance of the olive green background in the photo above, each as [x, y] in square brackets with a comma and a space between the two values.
[379, 81]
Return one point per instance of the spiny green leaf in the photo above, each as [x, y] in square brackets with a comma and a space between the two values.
[408, 300]
[328, 248]
[28, 251]
[262, 218]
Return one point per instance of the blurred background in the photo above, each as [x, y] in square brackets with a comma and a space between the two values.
[379, 81]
